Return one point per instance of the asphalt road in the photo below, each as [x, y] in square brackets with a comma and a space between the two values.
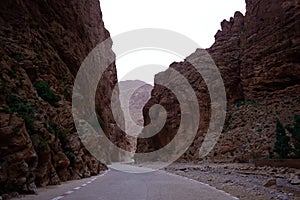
[118, 185]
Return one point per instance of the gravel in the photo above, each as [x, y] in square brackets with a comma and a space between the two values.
[244, 181]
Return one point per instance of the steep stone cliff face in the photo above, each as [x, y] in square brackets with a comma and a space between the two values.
[134, 95]
[257, 55]
[42, 46]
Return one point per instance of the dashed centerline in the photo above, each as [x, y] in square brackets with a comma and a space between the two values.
[57, 198]
[78, 188]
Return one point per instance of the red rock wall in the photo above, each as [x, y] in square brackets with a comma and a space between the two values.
[44, 42]
[257, 55]
[271, 47]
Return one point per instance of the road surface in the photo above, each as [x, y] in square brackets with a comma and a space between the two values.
[118, 185]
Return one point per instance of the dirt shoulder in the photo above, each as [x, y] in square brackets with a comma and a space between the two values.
[244, 181]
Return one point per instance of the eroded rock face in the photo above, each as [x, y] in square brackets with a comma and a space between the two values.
[257, 57]
[133, 95]
[42, 46]
[21, 165]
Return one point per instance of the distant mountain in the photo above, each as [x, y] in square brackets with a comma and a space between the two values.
[134, 94]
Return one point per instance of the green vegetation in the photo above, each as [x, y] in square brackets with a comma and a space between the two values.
[18, 57]
[295, 133]
[244, 29]
[38, 56]
[40, 143]
[288, 145]
[58, 131]
[282, 146]
[5, 109]
[96, 122]
[42, 146]
[16, 129]
[3, 82]
[56, 62]
[44, 91]
[71, 157]
[245, 102]
[24, 111]
[12, 74]
[61, 134]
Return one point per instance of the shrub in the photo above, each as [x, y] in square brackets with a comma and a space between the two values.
[12, 74]
[282, 146]
[16, 129]
[95, 122]
[44, 91]
[43, 146]
[71, 157]
[24, 111]
[54, 128]
[295, 133]
[3, 82]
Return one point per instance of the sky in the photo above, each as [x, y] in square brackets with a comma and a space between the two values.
[198, 20]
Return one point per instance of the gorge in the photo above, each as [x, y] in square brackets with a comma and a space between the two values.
[43, 44]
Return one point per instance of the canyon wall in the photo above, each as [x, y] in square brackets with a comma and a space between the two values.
[258, 58]
[43, 44]
[133, 96]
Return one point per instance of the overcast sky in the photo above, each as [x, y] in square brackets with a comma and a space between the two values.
[197, 19]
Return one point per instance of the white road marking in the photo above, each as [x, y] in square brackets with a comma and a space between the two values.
[78, 188]
[57, 198]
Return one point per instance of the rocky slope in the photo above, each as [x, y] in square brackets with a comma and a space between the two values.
[244, 180]
[42, 46]
[257, 55]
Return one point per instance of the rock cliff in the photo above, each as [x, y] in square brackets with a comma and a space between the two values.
[42, 46]
[257, 55]
[134, 95]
